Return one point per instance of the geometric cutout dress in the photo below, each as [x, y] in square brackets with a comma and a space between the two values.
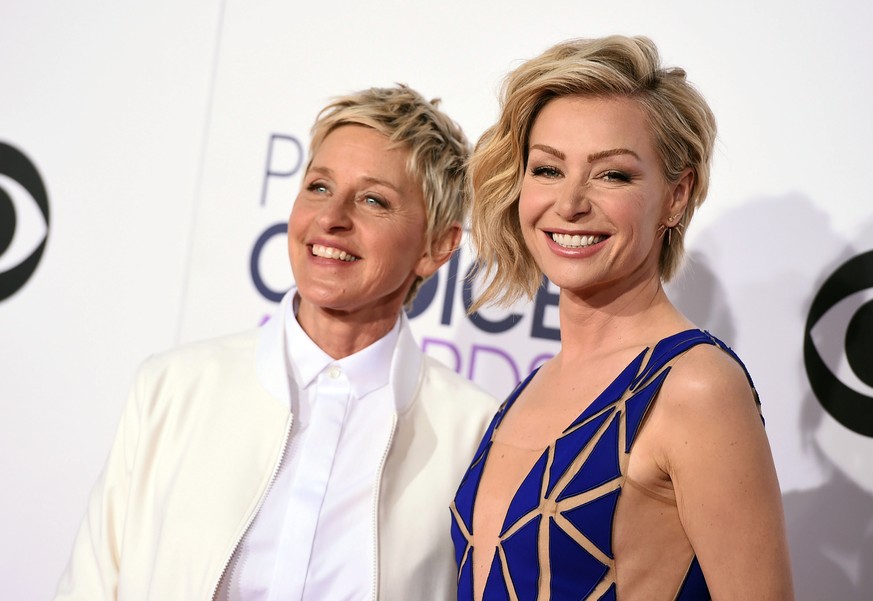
[591, 456]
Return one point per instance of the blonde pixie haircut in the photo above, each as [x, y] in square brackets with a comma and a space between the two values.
[682, 124]
[438, 149]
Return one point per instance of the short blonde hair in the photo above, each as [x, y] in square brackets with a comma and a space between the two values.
[438, 149]
[682, 123]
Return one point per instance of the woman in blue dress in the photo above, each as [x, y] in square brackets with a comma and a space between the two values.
[633, 465]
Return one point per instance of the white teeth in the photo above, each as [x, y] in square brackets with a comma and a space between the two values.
[575, 240]
[329, 252]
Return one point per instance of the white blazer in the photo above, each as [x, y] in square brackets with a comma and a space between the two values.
[200, 440]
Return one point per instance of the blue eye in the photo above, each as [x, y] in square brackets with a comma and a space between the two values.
[317, 187]
[374, 201]
[545, 171]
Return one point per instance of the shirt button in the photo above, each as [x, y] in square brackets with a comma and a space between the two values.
[334, 372]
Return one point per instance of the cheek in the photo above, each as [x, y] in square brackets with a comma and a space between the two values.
[535, 199]
[298, 216]
[636, 210]
[294, 220]
[296, 231]
[527, 207]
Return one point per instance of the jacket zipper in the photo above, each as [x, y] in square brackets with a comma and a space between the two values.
[260, 504]
[377, 490]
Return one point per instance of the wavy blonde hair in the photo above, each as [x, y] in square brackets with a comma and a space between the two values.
[682, 123]
[438, 149]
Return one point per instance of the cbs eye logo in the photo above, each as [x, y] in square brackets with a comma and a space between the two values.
[24, 220]
[838, 344]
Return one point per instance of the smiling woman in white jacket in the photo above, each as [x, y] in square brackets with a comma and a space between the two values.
[316, 457]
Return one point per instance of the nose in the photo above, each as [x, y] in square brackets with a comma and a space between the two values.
[573, 201]
[335, 214]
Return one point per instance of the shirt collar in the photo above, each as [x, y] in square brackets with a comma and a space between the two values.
[366, 370]
[275, 370]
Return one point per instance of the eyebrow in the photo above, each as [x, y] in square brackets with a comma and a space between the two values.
[591, 157]
[367, 179]
[611, 153]
[550, 150]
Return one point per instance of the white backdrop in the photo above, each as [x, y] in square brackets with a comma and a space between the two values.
[168, 137]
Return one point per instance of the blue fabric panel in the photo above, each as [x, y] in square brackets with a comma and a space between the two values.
[495, 586]
[668, 348]
[635, 407]
[594, 520]
[609, 595]
[465, 580]
[568, 447]
[466, 495]
[459, 540]
[613, 392]
[522, 559]
[575, 572]
[694, 586]
[600, 467]
[528, 495]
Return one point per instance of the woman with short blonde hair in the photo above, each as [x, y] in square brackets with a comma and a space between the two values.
[633, 465]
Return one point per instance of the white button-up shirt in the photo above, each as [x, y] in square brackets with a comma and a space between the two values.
[314, 537]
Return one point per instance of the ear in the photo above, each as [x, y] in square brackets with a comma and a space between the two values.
[441, 251]
[680, 193]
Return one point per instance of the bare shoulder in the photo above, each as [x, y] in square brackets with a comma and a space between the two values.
[707, 381]
[707, 404]
[707, 415]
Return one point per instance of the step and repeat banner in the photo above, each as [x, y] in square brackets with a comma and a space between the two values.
[150, 155]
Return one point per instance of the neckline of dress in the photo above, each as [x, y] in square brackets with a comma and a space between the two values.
[524, 383]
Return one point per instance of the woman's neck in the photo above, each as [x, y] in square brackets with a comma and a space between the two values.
[340, 334]
[610, 319]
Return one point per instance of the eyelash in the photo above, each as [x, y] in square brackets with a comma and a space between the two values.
[381, 203]
[320, 188]
[612, 176]
[545, 171]
[616, 176]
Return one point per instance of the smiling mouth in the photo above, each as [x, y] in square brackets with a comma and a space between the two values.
[328, 252]
[575, 240]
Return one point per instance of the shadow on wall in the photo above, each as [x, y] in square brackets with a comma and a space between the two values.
[774, 267]
[830, 531]
[830, 527]
[701, 298]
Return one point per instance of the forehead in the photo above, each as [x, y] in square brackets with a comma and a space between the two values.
[361, 154]
[593, 124]
[350, 137]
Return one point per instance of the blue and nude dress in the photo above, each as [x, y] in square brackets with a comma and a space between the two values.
[556, 541]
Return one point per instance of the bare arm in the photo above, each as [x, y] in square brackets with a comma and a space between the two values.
[720, 463]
